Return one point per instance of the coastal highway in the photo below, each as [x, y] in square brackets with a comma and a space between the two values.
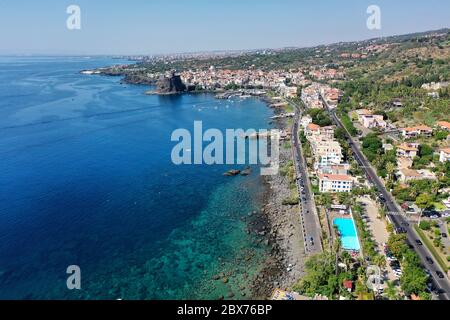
[395, 212]
[308, 211]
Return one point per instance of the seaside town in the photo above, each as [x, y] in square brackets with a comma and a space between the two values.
[367, 166]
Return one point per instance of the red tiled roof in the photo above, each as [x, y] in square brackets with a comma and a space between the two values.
[335, 177]
[348, 284]
[444, 124]
[313, 126]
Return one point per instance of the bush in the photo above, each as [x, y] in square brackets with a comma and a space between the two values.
[290, 201]
[425, 225]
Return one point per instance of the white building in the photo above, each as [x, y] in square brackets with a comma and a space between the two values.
[335, 183]
[369, 120]
[305, 121]
[445, 155]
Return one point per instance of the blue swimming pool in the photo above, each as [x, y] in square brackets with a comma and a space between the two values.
[349, 236]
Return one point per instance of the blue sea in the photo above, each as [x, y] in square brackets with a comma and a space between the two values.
[86, 179]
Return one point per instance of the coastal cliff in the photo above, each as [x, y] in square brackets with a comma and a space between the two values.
[170, 85]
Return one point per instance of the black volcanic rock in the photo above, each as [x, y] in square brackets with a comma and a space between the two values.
[170, 85]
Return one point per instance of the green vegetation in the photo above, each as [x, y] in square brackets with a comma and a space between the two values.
[324, 277]
[320, 117]
[367, 241]
[347, 122]
[291, 201]
[432, 248]
[425, 157]
[414, 279]
[425, 225]
[384, 161]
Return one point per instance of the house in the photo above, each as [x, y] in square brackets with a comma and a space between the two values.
[369, 120]
[397, 103]
[312, 130]
[335, 183]
[406, 175]
[341, 169]
[444, 125]
[327, 152]
[446, 203]
[412, 132]
[348, 285]
[288, 92]
[315, 132]
[445, 155]
[404, 163]
[305, 121]
[362, 113]
[408, 150]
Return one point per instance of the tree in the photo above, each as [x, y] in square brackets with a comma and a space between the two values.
[391, 291]
[424, 201]
[390, 168]
[397, 245]
[380, 261]
[414, 280]
[425, 225]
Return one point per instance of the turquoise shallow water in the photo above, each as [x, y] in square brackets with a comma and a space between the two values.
[86, 179]
[349, 236]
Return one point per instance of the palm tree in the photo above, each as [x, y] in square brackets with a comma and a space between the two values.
[391, 291]
[390, 168]
[380, 261]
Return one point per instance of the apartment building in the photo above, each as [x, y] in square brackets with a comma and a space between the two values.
[334, 183]
[413, 132]
[408, 150]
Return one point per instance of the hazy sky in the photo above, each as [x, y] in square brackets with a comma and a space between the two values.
[164, 26]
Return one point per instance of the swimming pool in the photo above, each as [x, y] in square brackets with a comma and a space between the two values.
[349, 236]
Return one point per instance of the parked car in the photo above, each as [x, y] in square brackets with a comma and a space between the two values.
[391, 258]
[429, 260]
[419, 242]
[444, 235]
[440, 274]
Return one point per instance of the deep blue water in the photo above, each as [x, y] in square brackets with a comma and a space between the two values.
[86, 179]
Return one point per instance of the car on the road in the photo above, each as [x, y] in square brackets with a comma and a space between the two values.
[391, 258]
[429, 260]
[419, 242]
[440, 275]
[405, 224]
[400, 230]
[443, 235]
[438, 291]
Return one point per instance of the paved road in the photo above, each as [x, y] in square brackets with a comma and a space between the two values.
[395, 214]
[308, 212]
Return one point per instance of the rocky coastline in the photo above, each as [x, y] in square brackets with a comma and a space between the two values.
[282, 231]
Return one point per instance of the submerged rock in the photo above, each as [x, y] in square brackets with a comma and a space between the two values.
[247, 171]
[232, 173]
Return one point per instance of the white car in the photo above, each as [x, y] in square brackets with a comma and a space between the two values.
[391, 259]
